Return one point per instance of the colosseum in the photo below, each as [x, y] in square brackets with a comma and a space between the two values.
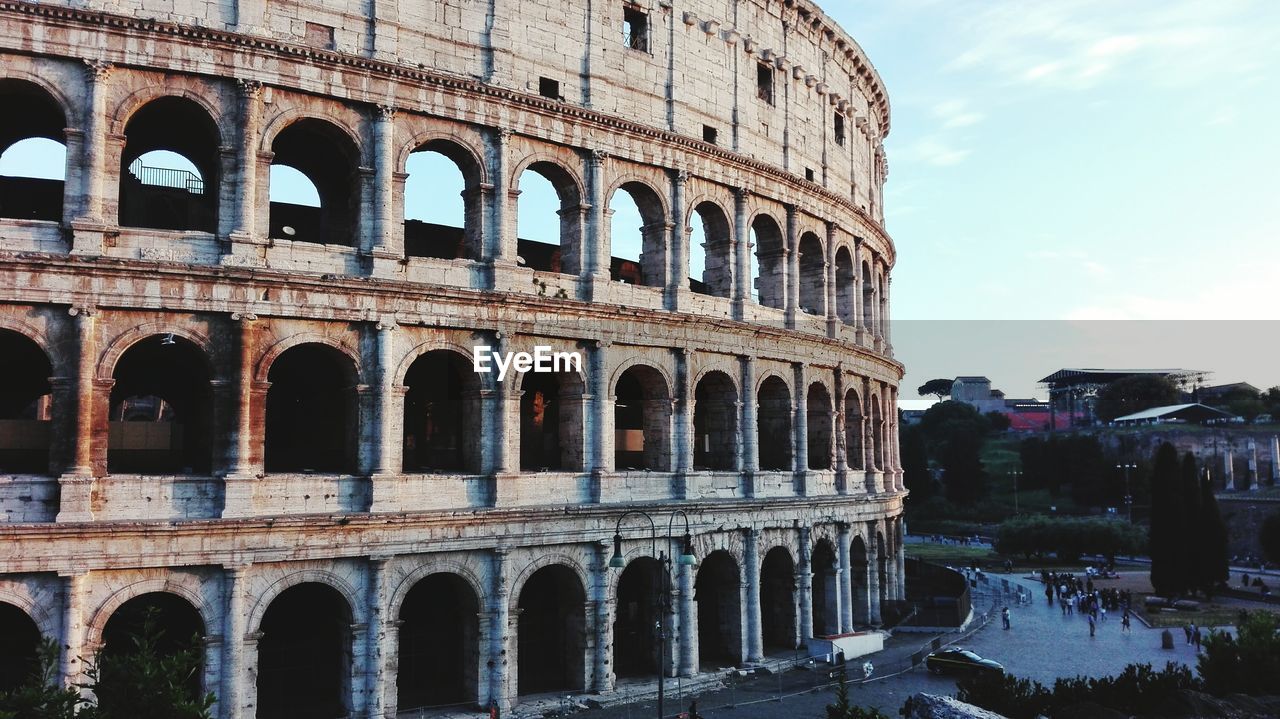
[259, 418]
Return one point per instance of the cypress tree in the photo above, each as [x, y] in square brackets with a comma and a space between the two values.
[1212, 555]
[1166, 523]
[1191, 531]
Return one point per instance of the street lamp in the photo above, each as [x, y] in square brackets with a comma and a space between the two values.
[686, 559]
[1015, 474]
[1128, 498]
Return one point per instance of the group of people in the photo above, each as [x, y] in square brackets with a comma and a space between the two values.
[1193, 635]
[1076, 595]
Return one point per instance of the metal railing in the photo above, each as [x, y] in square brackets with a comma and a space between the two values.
[167, 177]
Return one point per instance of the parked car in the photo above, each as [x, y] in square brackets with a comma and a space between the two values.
[955, 660]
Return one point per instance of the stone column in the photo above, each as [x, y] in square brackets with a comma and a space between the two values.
[1275, 460]
[804, 577]
[742, 253]
[386, 469]
[600, 422]
[873, 576]
[72, 661]
[76, 483]
[387, 242]
[238, 484]
[604, 605]
[845, 577]
[833, 314]
[688, 665]
[793, 266]
[234, 629]
[380, 652]
[682, 438]
[840, 442]
[678, 272]
[89, 223]
[500, 636]
[1228, 469]
[595, 240]
[749, 459]
[801, 423]
[754, 624]
[1252, 447]
[860, 333]
[900, 556]
[246, 178]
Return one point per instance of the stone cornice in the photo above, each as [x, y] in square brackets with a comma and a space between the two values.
[95, 20]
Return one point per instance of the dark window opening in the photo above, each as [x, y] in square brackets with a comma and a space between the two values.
[441, 415]
[26, 403]
[764, 82]
[550, 422]
[808, 174]
[774, 425]
[439, 643]
[642, 420]
[33, 156]
[709, 134]
[549, 88]
[178, 632]
[777, 600]
[304, 655]
[326, 208]
[551, 631]
[715, 423]
[826, 608]
[169, 169]
[635, 28]
[161, 413]
[635, 628]
[710, 251]
[717, 592]
[311, 411]
[839, 129]
[19, 643]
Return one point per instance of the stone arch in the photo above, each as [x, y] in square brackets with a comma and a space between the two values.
[716, 252]
[20, 639]
[545, 560]
[442, 414]
[724, 368]
[565, 179]
[642, 361]
[637, 596]
[767, 374]
[551, 630]
[185, 586]
[820, 423]
[306, 652]
[27, 400]
[642, 411]
[334, 174]
[438, 650]
[430, 566]
[312, 411]
[813, 274]
[21, 596]
[130, 104]
[825, 595]
[118, 345]
[269, 356]
[298, 577]
[55, 93]
[778, 594]
[774, 420]
[432, 345]
[44, 115]
[859, 580]
[853, 429]
[169, 198]
[715, 421]
[846, 286]
[653, 246]
[632, 549]
[769, 261]
[441, 237]
[717, 592]
[567, 255]
[280, 122]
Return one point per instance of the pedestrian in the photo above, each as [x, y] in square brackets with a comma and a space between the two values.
[1102, 613]
[1092, 626]
[1195, 639]
[1186, 630]
[1244, 579]
[1048, 595]
[1004, 617]
[1124, 621]
[1062, 604]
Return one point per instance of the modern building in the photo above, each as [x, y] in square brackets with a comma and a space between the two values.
[260, 417]
[1074, 391]
[1192, 413]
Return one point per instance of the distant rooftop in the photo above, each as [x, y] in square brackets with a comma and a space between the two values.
[1093, 375]
[1193, 412]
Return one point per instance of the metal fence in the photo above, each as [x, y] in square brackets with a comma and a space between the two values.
[167, 177]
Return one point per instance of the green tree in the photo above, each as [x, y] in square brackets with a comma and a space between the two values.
[915, 466]
[1269, 537]
[1211, 551]
[997, 421]
[1168, 575]
[937, 387]
[141, 681]
[1191, 535]
[1247, 665]
[1134, 394]
[841, 708]
[954, 433]
[42, 696]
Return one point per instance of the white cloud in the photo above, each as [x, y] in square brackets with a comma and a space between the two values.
[956, 113]
[933, 151]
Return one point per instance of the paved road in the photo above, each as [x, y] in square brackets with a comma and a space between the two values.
[1041, 645]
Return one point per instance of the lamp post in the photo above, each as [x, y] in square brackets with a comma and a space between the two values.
[1015, 474]
[1128, 498]
[686, 559]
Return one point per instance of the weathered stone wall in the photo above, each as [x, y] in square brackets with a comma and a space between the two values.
[376, 81]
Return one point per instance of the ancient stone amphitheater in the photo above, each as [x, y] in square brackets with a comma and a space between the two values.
[259, 418]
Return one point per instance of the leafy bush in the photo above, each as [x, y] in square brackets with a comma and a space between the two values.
[1005, 694]
[1248, 665]
[1136, 690]
[42, 696]
[1068, 537]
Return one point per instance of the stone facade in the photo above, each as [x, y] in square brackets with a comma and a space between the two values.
[209, 406]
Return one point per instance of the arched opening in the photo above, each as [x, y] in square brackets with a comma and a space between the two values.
[311, 411]
[26, 406]
[442, 430]
[715, 423]
[156, 625]
[169, 168]
[33, 152]
[717, 592]
[859, 580]
[877, 436]
[846, 287]
[819, 425]
[443, 212]
[161, 411]
[778, 600]
[769, 271]
[439, 643]
[304, 654]
[635, 629]
[826, 597]
[550, 421]
[882, 570]
[547, 244]
[710, 251]
[853, 422]
[19, 641]
[642, 420]
[328, 160]
[637, 236]
[868, 298]
[552, 631]
[813, 275]
[773, 419]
